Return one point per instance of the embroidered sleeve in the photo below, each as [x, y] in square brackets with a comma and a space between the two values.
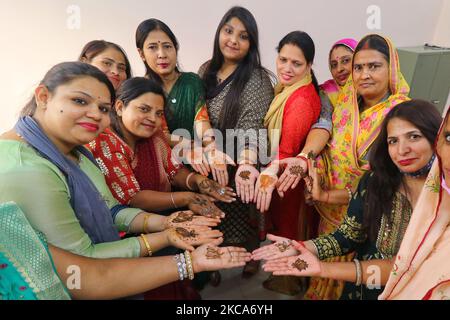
[115, 163]
[350, 233]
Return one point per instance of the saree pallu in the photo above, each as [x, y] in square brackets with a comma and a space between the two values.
[342, 164]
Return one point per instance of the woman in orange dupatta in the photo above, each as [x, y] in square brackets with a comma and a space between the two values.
[422, 266]
[374, 88]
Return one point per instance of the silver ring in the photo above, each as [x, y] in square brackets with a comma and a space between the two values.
[221, 191]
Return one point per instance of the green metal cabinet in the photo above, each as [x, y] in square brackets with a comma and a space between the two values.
[427, 70]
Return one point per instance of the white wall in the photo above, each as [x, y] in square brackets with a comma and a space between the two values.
[35, 36]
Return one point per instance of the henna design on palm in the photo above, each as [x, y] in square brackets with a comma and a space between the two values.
[297, 171]
[186, 233]
[300, 264]
[183, 217]
[283, 246]
[245, 175]
[213, 253]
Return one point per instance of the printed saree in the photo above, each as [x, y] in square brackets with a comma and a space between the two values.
[343, 162]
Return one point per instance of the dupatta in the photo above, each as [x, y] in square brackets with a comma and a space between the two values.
[152, 158]
[422, 267]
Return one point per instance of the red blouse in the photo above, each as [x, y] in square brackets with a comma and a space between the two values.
[118, 163]
[301, 111]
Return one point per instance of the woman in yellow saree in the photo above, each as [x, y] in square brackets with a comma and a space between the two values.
[374, 88]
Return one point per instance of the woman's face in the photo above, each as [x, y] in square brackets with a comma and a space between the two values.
[160, 53]
[371, 74]
[291, 65]
[341, 64]
[143, 116]
[444, 150]
[75, 113]
[408, 148]
[234, 41]
[112, 63]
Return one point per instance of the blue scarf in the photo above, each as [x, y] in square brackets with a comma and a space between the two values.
[87, 203]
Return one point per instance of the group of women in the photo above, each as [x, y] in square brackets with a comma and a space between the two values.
[361, 185]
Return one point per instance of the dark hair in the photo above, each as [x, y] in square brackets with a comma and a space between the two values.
[303, 41]
[64, 73]
[129, 90]
[95, 47]
[387, 178]
[251, 62]
[142, 33]
[374, 42]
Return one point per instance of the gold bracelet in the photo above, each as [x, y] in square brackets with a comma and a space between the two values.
[187, 180]
[190, 269]
[147, 245]
[144, 225]
[350, 194]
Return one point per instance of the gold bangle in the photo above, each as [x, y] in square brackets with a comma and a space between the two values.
[350, 194]
[144, 225]
[147, 245]
[190, 269]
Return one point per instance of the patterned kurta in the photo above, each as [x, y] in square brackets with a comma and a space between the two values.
[350, 236]
[242, 220]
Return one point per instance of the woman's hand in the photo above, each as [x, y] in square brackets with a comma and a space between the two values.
[212, 188]
[245, 178]
[295, 169]
[306, 264]
[203, 205]
[282, 247]
[264, 187]
[187, 238]
[218, 162]
[194, 156]
[210, 257]
[313, 184]
[187, 219]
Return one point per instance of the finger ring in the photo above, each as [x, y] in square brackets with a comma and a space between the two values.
[221, 191]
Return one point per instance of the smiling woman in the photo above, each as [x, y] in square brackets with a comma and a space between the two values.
[109, 58]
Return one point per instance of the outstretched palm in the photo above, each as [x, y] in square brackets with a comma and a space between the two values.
[306, 264]
[245, 179]
[282, 247]
[294, 170]
[210, 257]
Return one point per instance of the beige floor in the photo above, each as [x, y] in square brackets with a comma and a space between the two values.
[234, 287]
